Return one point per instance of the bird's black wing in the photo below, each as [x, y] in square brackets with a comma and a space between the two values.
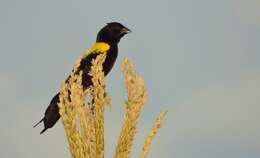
[85, 66]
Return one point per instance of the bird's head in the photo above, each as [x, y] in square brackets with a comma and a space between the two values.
[112, 33]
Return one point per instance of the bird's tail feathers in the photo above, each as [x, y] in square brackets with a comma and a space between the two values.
[43, 130]
[38, 123]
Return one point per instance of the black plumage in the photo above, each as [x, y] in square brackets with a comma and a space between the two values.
[110, 34]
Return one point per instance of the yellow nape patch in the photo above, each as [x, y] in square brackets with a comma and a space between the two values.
[98, 47]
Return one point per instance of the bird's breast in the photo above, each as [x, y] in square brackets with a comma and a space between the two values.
[110, 59]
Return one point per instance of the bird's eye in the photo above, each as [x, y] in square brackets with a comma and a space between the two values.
[116, 31]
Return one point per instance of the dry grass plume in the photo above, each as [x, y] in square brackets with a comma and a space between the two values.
[84, 122]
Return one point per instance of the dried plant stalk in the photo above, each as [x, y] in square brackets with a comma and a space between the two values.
[68, 112]
[87, 140]
[87, 126]
[151, 134]
[136, 97]
[98, 79]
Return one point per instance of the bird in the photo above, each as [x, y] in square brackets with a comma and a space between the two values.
[107, 41]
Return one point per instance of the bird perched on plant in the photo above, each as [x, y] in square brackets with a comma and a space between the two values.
[106, 42]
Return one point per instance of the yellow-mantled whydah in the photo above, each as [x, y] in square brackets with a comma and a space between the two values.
[107, 42]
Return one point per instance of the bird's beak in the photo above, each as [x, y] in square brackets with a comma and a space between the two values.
[125, 30]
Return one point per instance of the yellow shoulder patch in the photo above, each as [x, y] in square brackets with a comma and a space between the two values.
[98, 47]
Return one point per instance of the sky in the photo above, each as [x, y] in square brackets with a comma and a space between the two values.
[200, 61]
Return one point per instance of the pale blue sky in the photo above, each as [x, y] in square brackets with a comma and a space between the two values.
[200, 60]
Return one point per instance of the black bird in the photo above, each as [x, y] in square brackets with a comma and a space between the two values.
[110, 36]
